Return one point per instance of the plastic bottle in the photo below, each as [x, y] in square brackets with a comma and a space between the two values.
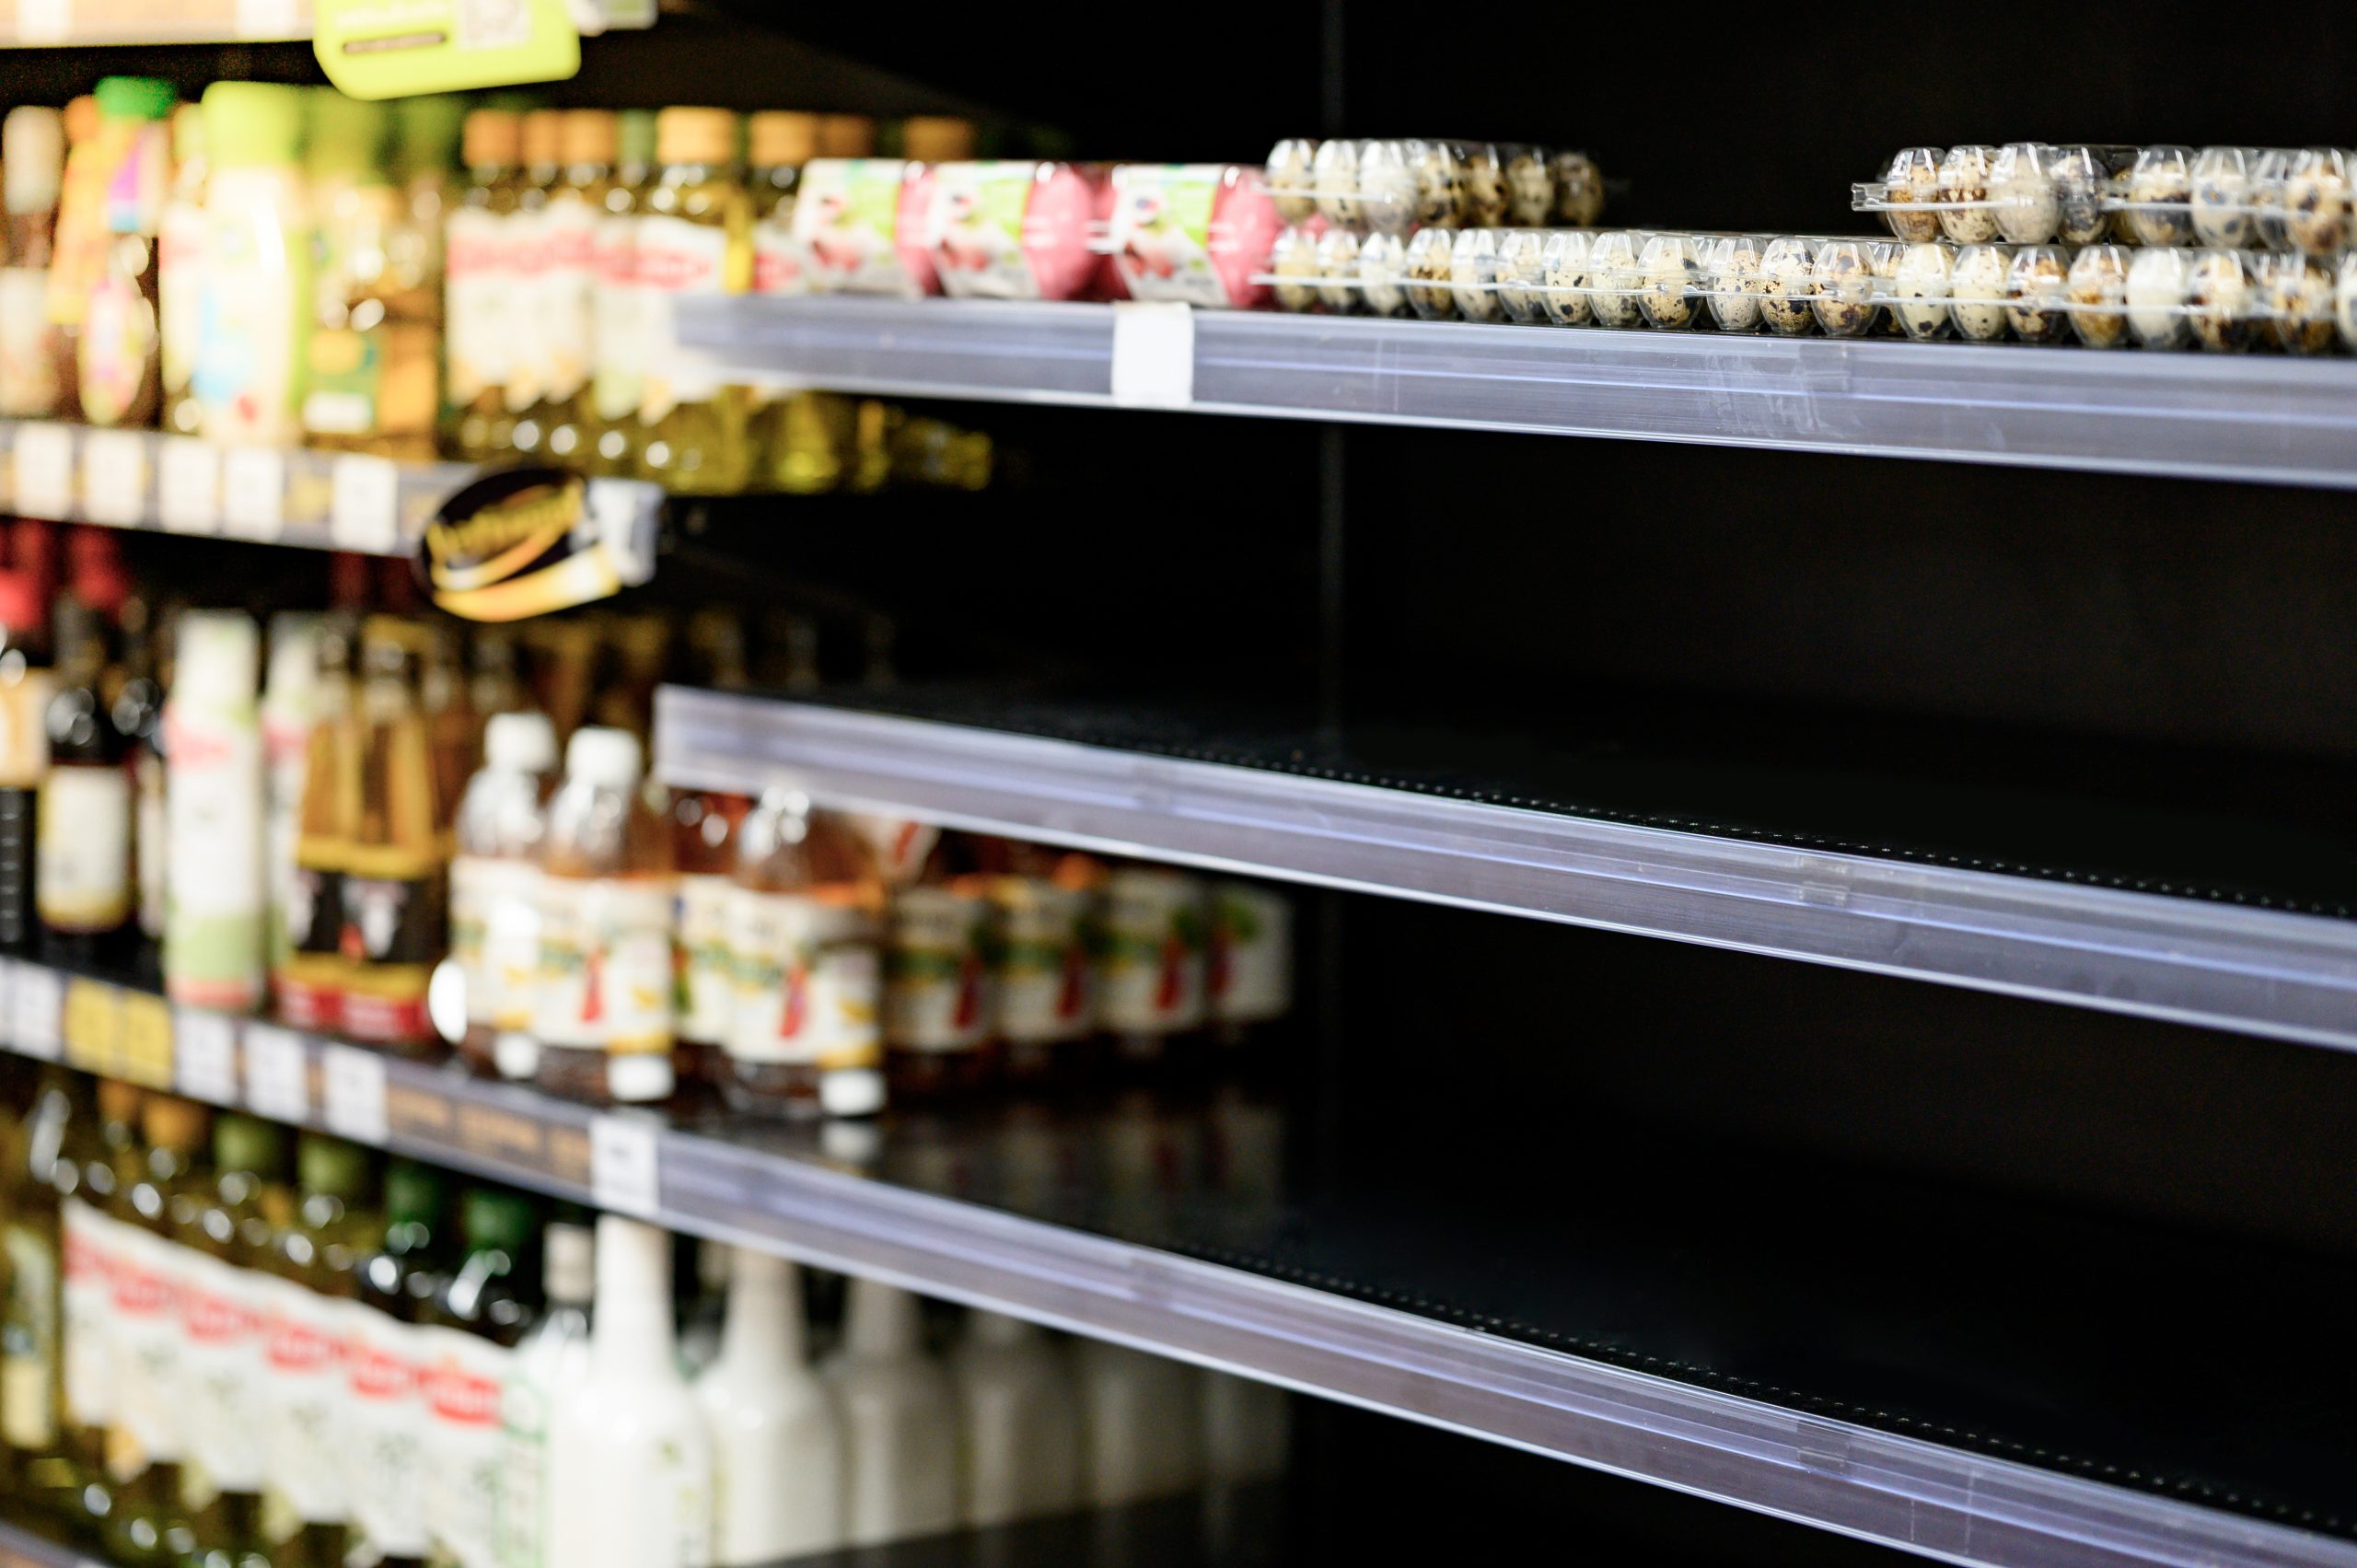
[549, 1364]
[217, 915]
[393, 896]
[541, 143]
[258, 266]
[630, 1456]
[939, 1042]
[1019, 1423]
[495, 891]
[119, 369]
[383, 1435]
[777, 1448]
[479, 303]
[1144, 1421]
[482, 1313]
[180, 274]
[33, 362]
[1150, 990]
[618, 354]
[82, 878]
[356, 209]
[147, 1442]
[588, 148]
[705, 824]
[1044, 992]
[695, 239]
[224, 1340]
[80, 254]
[806, 938]
[900, 1418]
[602, 1002]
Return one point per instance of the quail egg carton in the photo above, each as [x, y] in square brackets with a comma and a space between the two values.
[2035, 193]
[1395, 185]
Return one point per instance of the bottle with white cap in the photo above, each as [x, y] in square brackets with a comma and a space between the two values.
[630, 1454]
[292, 697]
[1018, 1413]
[1145, 1422]
[495, 891]
[899, 1419]
[777, 1448]
[214, 931]
[601, 1005]
[549, 1364]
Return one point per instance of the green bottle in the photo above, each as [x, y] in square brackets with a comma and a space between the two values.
[230, 1234]
[146, 1438]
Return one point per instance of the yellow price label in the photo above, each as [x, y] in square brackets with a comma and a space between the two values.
[147, 1033]
[93, 1026]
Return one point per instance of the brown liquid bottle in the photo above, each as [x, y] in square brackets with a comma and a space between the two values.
[394, 869]
[452, 721]
[703, 845]
[478, 298]
[312, 975]
[805, 934]
[940, 1016]
[1044, 902]
[603, 1004]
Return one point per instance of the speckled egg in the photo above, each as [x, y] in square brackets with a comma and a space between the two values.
[1337, 270]
[1430, 272]
[1387, 192]
[1579, 189]
[2160, 197]
[2267, 179]
[1614, 279]
[1383, 262]
[2156, 287]
[1882, 257]
[1977, 292]
[1530, 186]
[1293, 260]
[2315, 202]
[1473, 274]
[1671, 279]
[2027, 209]
[1844, 296]
[1787, 279]
[2344, 300]
[1440, 181]
[1566, 297]
[2037, 287]
[2219, 301]
[1920, 284]
[1482, 184]
[2221, 198]
[1291, 174]
[1731, 262]
[2080, 183]
[1964, 182]
[1336, 175]
[2098, 296]
[2299, 303]
[1522, 274]
[1913, 176]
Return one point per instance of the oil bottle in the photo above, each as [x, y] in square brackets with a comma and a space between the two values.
[618, 354]
[481, 303]
[151, 1274]
[97, 1168]
[483, 1310]
[540, 143]
[567, 302]
[82, 880]
[384, 1430]
[394, 887]
[694, 239]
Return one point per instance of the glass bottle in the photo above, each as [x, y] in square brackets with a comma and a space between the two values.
[411, 402]
[452, 725]
[806, 934]
[24, 686]
[588, 147]
[480, 301]
[602, 1005]
[1044, 907]
[483, 1312]
[548, 1366]
[540, 142]
[257, 313]
[180, 274]
[81, 881]
[364, 393]
[493, 685]
[146, 1446]
[293, 703]
[703, 848]
[393, 889]
[777, 145]
[79, 255]
[384, 1430]
[119, 368]
[33, 353]
[32, 1383]
[940, 1038]
[97, 1166]
[695, 239]
[618, 352]
[1150, 973]
[496, 892]
[139, 715]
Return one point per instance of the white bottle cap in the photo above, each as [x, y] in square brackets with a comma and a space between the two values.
[880, 1320]
[520, 743]
[219, 656]
[851, 1091]
[569, 1272]
[606, 757]
[32, 158]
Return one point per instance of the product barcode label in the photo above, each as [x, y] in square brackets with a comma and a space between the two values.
[364, 514]
[114, 478]
[276, 1084]
[44, 472]
[623, 1171]
[354, 1092]
[38, 1011]
[205, 1055]
[253, 493]
[1154, 354]
[188, 485]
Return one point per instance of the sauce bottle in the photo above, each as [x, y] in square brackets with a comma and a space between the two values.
[82, 879]
[540, 141]
[479, 303]
[603, 1004]
[776, 1447]
[33, 351]
[617, 339]
[258, 266]
[393, 888]
[805, 934]
[1044, 986]
[496, 892]
[703, 847]
[588, 146]
[938, 1010]
[180, 274]
[215, 941]
[120, 354]
[694, 239]
[1150, 993]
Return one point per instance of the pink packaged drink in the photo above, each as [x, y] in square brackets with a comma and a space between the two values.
[1196, 233]
[864, 224]
[1013, 230]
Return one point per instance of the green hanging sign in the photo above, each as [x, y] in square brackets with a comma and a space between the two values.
[377, 49]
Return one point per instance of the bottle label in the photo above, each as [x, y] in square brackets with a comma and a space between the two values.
[246, 365]
[619, 377]
[1251, 957]
[118, 347]
[213, 829]
[303, 1401]
[976, 228]
[479, 304]
[222, 1372]
[1046, 987]
[147, 1276]
[779, 265]
[179, 289]
[495, 936]
[385, 1427]
[88, 1238]
[526, 240]
[392, 934]
[605, 970]
[29, 344]
[707, 997]
[29, 1349]
[465, 1380]
[82, 880]
[347, 370]
[676, 258]
[1150, 975]
[1161, 232]
[567, 294]
[937, 990]
[809, 979]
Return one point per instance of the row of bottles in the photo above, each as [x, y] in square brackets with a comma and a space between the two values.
[275, 265]
[215, 1354]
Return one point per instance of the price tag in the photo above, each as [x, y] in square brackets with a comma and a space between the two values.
[276, 1084]
[145, 1052]
[91, 1021]
[356, 1093]
[44, 21]
[44, 472]
[623, 1172]
[205, 1057]
[254, 493]
[114, 478]
[364, 513]
[268, 18]
[1153, 353]
[38, 1010]
[187, 486]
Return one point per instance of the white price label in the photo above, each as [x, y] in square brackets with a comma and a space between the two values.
[44, 21]
[276, 1084]
[268, 18]
[114, 478]
[625, 1174]
[44, 472]
[355, 1091]
[1153, 353]
[36, 1013]
[204, 1056]
[365, 511]
[253, 493]
[188, 485]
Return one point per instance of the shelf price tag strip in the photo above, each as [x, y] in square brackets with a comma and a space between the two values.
[277, 1078]
[204, 1056]
[44, 470]
[1154, 354]
[624, 1171]
[355, 1094]
[114, 478]
[38, 1008]
[187, 486]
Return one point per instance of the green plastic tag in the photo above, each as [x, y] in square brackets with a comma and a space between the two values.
[377, 49]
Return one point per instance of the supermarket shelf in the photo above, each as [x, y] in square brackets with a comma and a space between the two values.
[819, 1198]
[137, 479]
[26, 24]
[21, 1547]
[2203, 960]
[2270, 420]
